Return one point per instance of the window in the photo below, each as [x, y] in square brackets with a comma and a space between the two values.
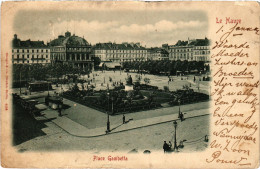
[27, 56]
[32, 50]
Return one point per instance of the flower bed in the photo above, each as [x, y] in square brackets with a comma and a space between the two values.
[116, 102]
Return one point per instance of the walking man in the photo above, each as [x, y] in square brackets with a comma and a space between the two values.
[123, 119]
[165, 147]
[181, 116]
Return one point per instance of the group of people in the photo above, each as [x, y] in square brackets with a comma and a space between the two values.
[167, 147]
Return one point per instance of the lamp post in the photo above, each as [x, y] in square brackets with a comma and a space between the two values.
[175, 140]
[108, 123]
[179, 101]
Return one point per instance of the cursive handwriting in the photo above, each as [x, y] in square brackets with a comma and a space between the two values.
[215, 157]
[235, 93]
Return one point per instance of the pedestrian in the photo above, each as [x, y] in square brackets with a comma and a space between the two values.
[165, 147]
[170, 145]
[181, 116]
[59, 110]
[123, 119]
[181, 144]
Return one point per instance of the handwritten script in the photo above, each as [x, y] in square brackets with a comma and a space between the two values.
[235, 95]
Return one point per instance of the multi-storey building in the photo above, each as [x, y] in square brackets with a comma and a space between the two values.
[191, 50]
[112, 52]
[29, 52]
[181, 51]
[201, 50]
[158, 54]
[71, 49]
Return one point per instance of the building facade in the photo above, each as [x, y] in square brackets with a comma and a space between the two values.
[30, 52]
[158, 54]
[112, 52]
[191, 50]
[73, 50]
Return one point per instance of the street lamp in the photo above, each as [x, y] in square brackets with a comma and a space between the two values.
[108, 123]
[175, 140]
[179, 101]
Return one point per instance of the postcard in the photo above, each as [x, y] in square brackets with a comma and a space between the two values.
[120, 84]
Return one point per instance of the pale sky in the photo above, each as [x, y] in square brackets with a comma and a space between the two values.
[150, 28]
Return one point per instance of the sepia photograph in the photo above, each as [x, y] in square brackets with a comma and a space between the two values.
[130, 84]
[94, 81]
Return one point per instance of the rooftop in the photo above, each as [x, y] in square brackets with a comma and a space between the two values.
[195, 42]
[69, 39]
[17, 43]
[122, 46]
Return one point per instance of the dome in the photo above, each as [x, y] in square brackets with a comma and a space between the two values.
[75, 40]
[69, 40]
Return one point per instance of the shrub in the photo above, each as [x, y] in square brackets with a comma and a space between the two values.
[166, 88]
[146, 81]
